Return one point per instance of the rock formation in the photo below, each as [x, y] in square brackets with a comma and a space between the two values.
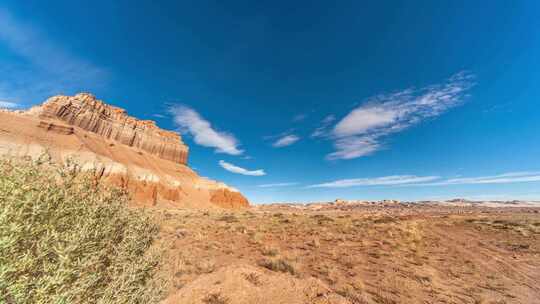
[60, 129]
[149, 162]
[90, 114]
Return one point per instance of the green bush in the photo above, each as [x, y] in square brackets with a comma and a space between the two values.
[66, 239]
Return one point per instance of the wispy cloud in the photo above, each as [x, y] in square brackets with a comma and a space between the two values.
[361, 132]
[42, 67]
[413, 180]
[283, 139]
[239, 170]
[377, 181]
[189, 121]
[323, 129]
[506, 178]
[299, 117]
[277, 185]
[8, 105]
[286, 140]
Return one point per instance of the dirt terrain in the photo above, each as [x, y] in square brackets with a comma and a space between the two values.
[370, 254]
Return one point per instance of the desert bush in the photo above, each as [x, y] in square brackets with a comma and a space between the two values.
[353, 295]
[215, 298]
[253, 278]
[280, 265]
[66, 239]
[229, 218]
[268, 251]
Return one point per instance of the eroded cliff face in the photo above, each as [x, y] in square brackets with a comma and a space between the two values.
[112, 123]
[133, 154]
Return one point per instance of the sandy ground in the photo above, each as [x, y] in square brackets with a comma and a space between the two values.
[374, 254]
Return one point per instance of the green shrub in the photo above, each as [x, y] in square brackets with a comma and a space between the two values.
[66, 239]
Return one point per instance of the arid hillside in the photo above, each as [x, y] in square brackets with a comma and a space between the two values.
[151, 163]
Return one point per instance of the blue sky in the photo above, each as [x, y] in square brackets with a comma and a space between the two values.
[305, 101]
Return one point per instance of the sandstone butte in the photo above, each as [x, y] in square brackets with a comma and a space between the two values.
[149, 162]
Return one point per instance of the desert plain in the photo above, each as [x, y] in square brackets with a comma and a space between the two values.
[353, 253]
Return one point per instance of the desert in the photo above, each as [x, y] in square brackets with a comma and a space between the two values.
[269, 152]
[375, 253]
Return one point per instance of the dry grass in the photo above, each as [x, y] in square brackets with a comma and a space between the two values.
[215, 298]
[229, 218]
[253, 278]
[267, 251]
[518, 225]
[354, 296]
[280, 265]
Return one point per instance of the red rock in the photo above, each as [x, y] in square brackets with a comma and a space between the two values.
[135, 155]
[56, 128]
[228, 199]
[112, 123]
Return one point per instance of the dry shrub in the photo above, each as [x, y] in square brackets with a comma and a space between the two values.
[353, 295]
[228, 218]
[253, 278]
[268, 251]
[66, 239]
[215, 298]
[280, 265]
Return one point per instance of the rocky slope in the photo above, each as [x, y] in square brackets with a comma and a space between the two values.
[134, 154]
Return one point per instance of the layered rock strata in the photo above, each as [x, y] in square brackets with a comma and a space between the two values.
[112, 123]
[136, 155]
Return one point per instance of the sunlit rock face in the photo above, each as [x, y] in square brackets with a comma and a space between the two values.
[136, 155]
[113, 123]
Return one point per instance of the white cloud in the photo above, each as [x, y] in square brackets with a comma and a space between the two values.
[363, 119]
[277, 185]
[506, 178]
[323, 129]
[412, 180]
[299, 117]
[377, 181]
[8, 105]
[43, 67]
[239, 170]
[286, 140]
[361, 131]
[189, 121]
[353, 147]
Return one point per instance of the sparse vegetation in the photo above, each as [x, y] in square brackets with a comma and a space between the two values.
[229, 218]
[354, 296]
[66, 239]
[253, 278]
[322, 218]
[520, 226]
[215, 298]
[267, 251]
[280, 265]
[369, 256]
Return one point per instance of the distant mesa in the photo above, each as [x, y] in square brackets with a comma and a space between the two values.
[149, 162]
[348, 205]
